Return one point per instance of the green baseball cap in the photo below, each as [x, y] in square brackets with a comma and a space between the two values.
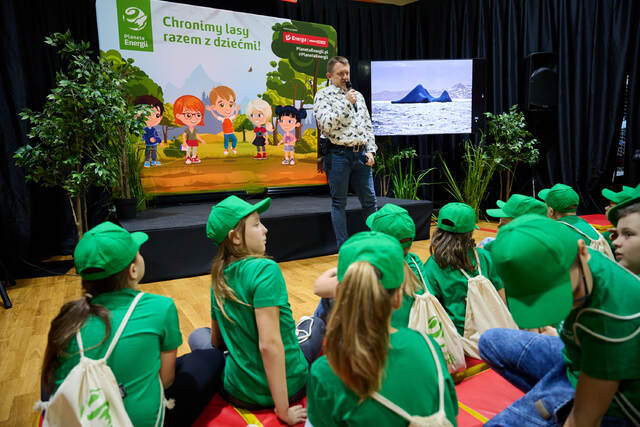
[518, 205]
[105, 250]
[618, 197]
[225, 215]
[394, 221]
[538, 293]
[632, 197]
[457, 218]
[380, 250]
[560, 197]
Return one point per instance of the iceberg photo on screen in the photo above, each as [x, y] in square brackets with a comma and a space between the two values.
[421, 97]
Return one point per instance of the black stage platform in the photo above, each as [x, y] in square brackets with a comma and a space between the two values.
[299, 227]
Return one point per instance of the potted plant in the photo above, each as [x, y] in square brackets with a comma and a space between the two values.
[479, 167]
[396, 173]
[512, 145]
[71, 135]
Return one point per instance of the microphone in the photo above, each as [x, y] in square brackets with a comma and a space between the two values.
[349, 87]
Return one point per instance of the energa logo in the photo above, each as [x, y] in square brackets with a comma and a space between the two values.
[135, 18]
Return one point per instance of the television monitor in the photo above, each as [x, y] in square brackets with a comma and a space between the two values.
[421, 97]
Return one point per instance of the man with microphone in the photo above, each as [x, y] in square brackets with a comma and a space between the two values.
[343, 119]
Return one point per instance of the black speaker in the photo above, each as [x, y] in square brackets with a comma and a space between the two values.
[541, 83]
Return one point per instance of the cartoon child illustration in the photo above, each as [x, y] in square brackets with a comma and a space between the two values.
[289, 118]
[223, 102]
[259, 112]
[150, 136]
[189, 111]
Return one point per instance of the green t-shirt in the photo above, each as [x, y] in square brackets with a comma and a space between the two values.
[616, 291]
[152, 328]
[581, 225]
[258, 282]
[191, 134]
[410, 381]
[400, 317]
[450, 286]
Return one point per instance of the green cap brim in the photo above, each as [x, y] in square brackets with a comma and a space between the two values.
[610, 195]
[497, 213]
[542, 194]
[548, 308]
[261, 206]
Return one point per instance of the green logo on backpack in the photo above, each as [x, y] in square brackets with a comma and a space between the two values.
[97, 408]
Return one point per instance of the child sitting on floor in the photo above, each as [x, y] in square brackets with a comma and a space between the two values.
[626, 217]
[454, 260]
[562, 203]
[396, 222]
[369, 366]
[517, 205]
[107, 258]
[251, 316]
[590, 375]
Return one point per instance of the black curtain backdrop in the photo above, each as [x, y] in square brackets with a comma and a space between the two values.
[596, 43]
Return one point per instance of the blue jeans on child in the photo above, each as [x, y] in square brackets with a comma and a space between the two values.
[344, 167]
[532, 362]
[232, 137]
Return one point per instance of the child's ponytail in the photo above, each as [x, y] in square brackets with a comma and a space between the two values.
[357, 338]
[73, 316]
[227, 253]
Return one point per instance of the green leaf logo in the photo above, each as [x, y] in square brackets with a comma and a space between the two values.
[135, 18]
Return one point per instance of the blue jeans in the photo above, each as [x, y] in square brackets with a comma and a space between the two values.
[343, 167]
[533, 363]
[232, 137]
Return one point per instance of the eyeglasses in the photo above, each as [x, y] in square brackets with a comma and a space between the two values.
[188, 115]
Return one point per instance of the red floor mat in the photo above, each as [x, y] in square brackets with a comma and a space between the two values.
[220, 413]
[483, 396]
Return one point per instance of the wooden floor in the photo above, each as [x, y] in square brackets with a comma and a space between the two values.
[24, 328]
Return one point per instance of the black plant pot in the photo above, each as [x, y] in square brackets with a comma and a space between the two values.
[126, 208]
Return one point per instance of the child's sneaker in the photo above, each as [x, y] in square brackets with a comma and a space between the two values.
[264, 155]
[155, 163]
[234, 151]
[195, 159]
[291, 162]
[258, 157]
[147, 164]
[285, 162]
[226, 152]
[188, 161]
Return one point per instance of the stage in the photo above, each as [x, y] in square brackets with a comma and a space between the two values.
[299, 227]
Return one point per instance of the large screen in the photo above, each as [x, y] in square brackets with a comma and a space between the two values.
[422, 97]
[231, 94]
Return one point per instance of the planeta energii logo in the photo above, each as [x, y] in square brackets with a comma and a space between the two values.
[134, 25]
[136, 18]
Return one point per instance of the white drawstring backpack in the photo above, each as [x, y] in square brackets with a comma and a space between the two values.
[89, 395]
[485, 310]
[428, 316]
[600, 244]
[438, 419]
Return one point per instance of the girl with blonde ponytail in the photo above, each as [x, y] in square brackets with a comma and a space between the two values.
[366, 359]
[251, 317]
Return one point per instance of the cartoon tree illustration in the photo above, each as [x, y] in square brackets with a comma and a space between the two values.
[167, 121]
[138, 83]
[313, 67]
[284, 82]
[242, 124]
